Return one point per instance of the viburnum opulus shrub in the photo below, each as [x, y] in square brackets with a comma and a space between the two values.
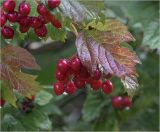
[100, 42]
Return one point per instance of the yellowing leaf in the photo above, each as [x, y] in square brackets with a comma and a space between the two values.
[14, 58]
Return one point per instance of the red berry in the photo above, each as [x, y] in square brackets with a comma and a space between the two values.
[117, 102]
[43, 19]
[80, 83]
[84, 73]
[75, 64]
[3, 19]
[36, 22]
[107, 87]
[60, 76]
[41, 31]
[23, 29]
[97, 75]
[63, 65]
[24, 21]
[56, 23]
[70, 88]
[126, 102]
[12, 17]
[58, 88]
[96, 84]
[2, 102]
[8, 5]
[42, 10]
[7, 32]
[24, 9]
[53, 3]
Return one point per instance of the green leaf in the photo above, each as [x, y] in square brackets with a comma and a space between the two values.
[8, 94]
[151, 35]
[93, 106]
[57, 34]
[43, 97]
[10, 123]
[35, 120]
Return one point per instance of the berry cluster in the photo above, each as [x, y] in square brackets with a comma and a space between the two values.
[121, 102]
[24, 20]
[2, 102]
[27, 104]
[72, 75]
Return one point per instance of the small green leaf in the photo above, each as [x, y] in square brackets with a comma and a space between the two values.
[8, 94]
[43, 97]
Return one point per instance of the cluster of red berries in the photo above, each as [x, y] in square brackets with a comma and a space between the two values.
[72, 75]
[24, 20]
[2, 102]
[120, 102]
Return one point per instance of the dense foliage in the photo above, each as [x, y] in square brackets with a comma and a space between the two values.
[93, 38]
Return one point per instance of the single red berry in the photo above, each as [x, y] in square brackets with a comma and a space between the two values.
[42, 10]
[75, 64]
[126, 102]
[36, 22]
[58, 88]
[3, 19]
[24, 21]
[2, 102]
[53, 3]
[8, 5]
[84, 73]
[24, 8]
[63, 65]
[117, 102]
[97, 75]
[107, 87]
[23, 29]
[96, 84]
[41, 31]
[43, 19]
[12, 17]
[7, 32]
[80, 83]
[56, 23]
[60, 76]
[70, 88]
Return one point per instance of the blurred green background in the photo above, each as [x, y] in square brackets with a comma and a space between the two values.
[88, 110]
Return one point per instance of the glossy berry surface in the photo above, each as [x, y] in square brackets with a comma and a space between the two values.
[36, 22]
[8, 5]
[96, 84]
[41, 31]
[3, 19]
[12, 17]
[23, 29]
[75, 64]
[24, 9]
[53, 3]
[80, 83]
[2, 102]
[58, 88]
[117, 102]
[107, 87]
[24, 21]
[126, 102]
[63, 65]
[70, 88]
[60, 76]
[56, 23]
[7, 32]
[42, 10]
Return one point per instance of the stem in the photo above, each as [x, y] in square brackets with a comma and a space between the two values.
[74, 29]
